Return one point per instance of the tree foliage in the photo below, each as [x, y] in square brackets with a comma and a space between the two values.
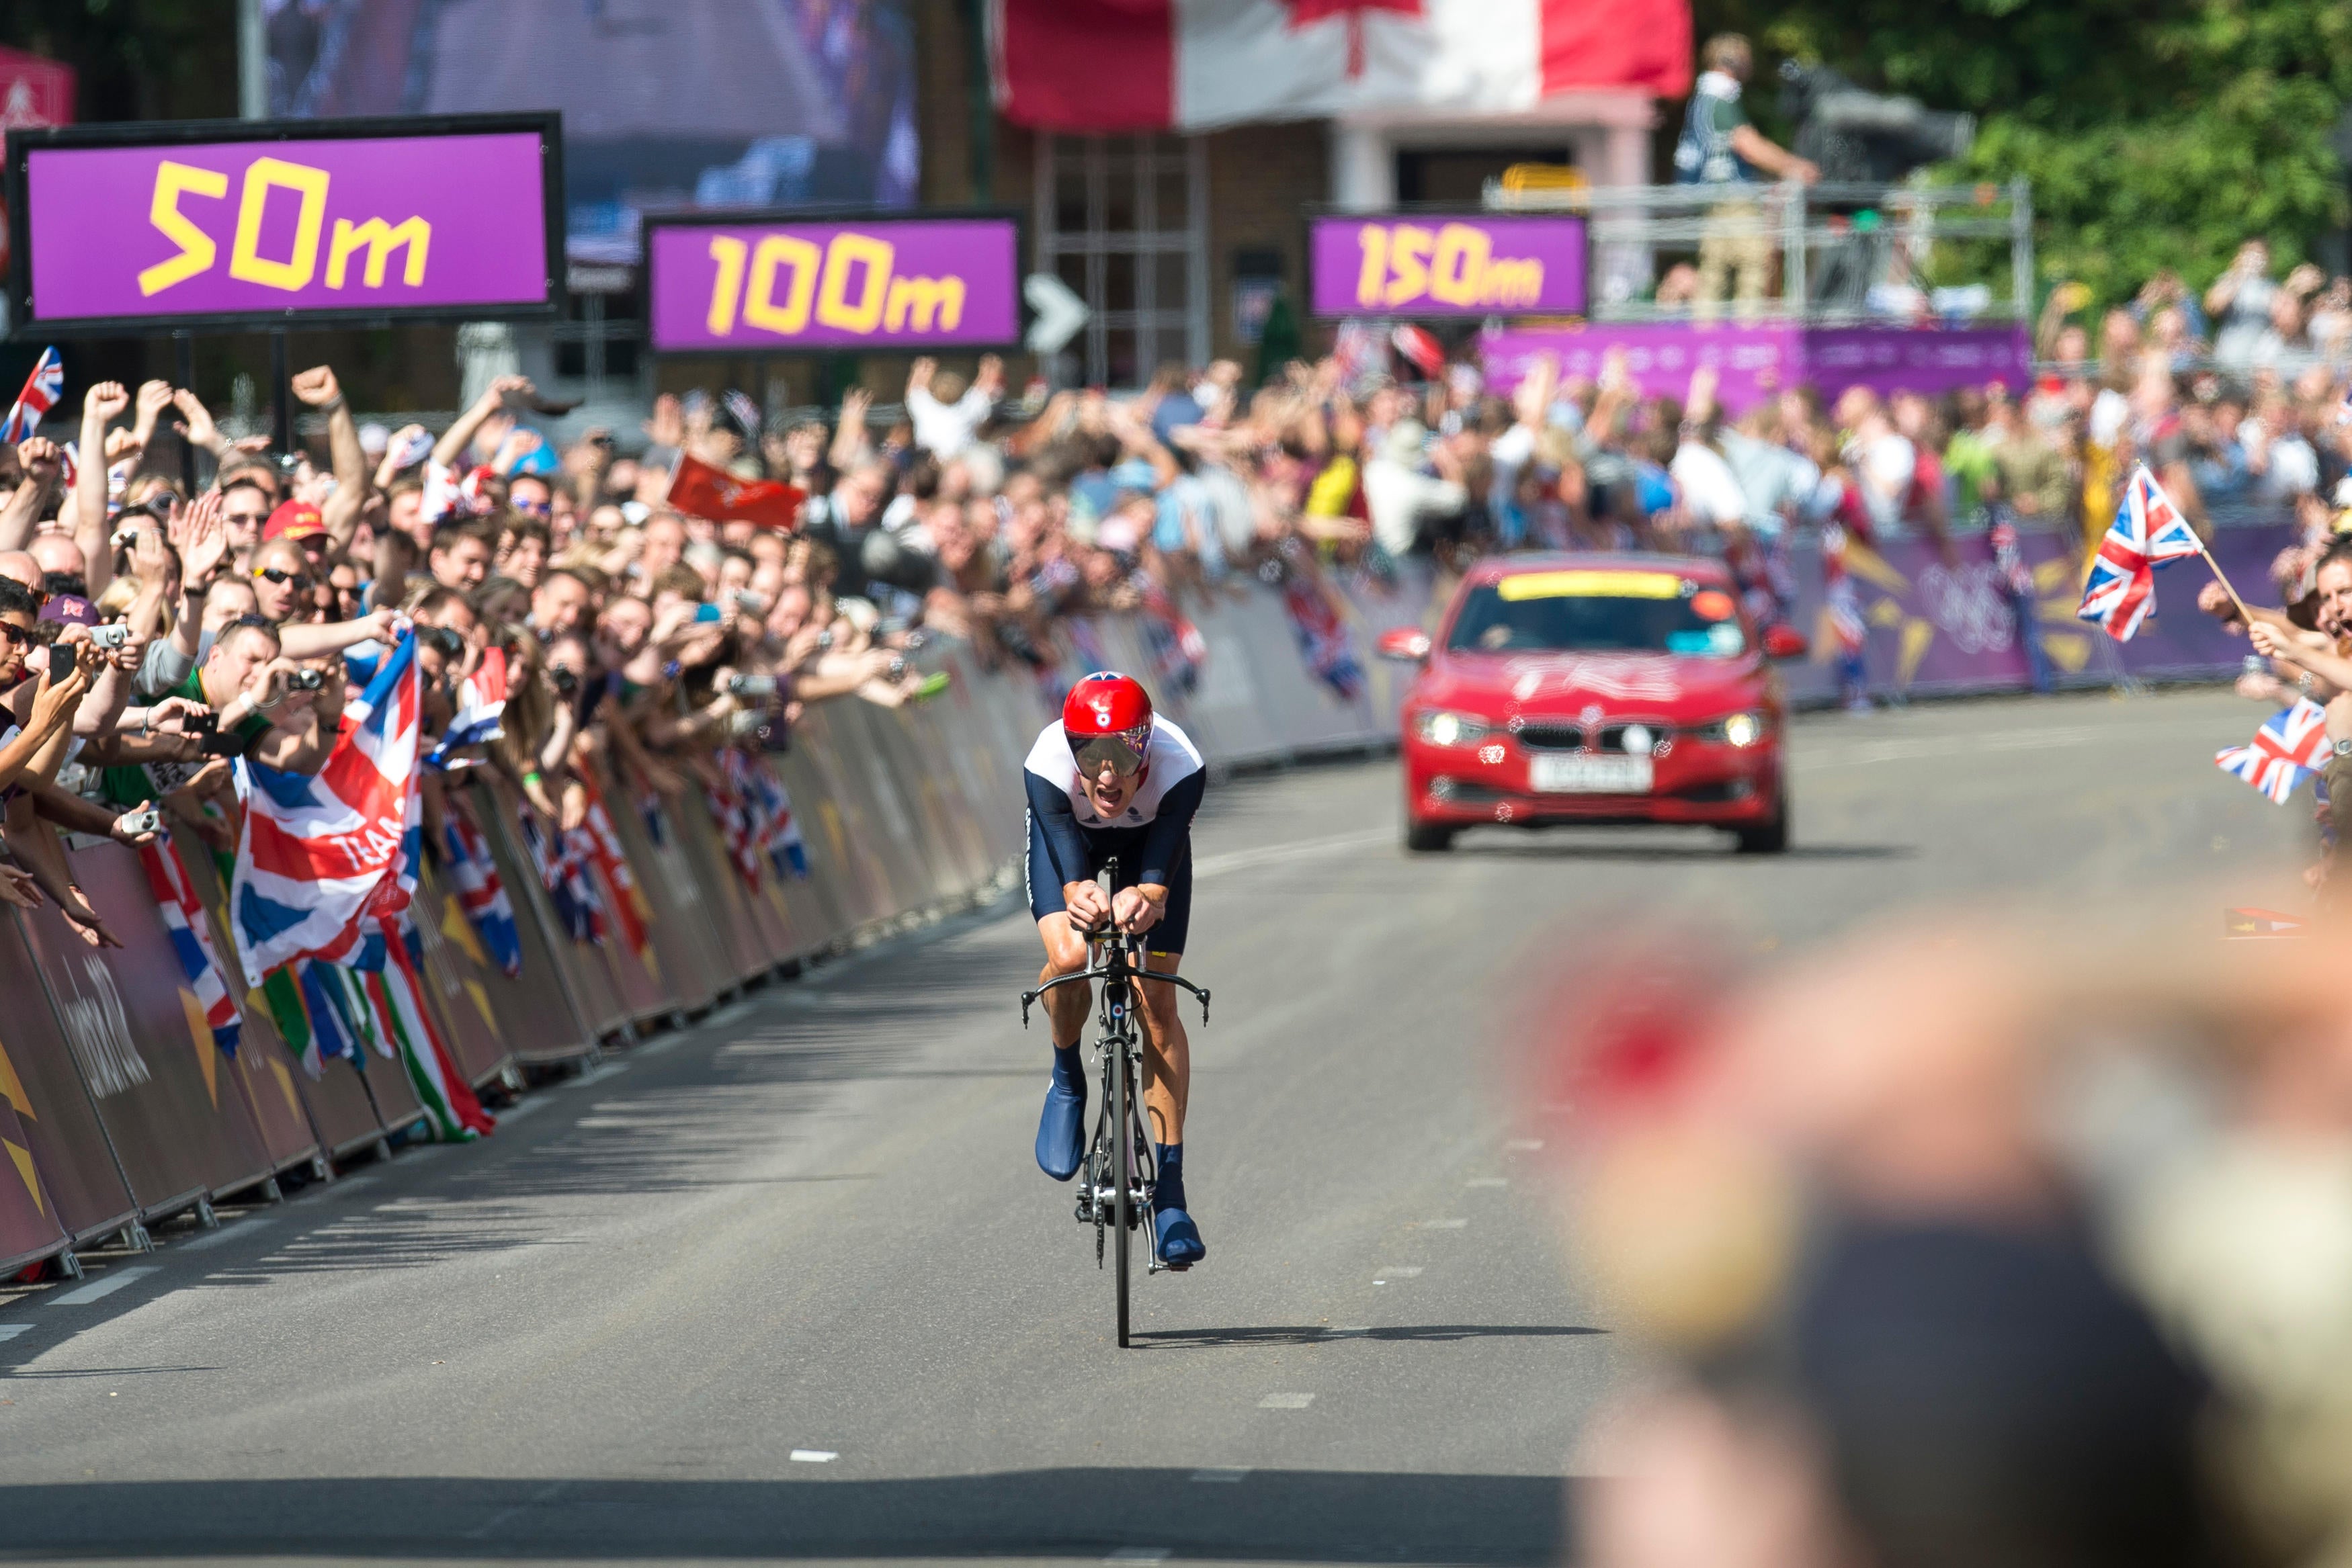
[2156, 132]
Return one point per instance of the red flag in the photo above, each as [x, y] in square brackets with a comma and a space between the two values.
[700, 490]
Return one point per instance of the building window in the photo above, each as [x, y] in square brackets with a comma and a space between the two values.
[597, 343]
[1124, 221]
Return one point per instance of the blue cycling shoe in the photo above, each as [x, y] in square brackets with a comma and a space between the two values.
[1062, 1127]
[1176, 1238]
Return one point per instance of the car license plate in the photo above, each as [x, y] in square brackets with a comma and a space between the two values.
[1589, 775]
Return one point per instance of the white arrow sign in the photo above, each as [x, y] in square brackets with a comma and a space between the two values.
[1060, 312]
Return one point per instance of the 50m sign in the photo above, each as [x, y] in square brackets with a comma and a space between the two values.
[186, 231]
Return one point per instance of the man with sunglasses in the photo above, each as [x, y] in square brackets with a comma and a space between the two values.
[1114, 780]
[281, 580]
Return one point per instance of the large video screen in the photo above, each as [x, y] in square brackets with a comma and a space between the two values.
[667, 104]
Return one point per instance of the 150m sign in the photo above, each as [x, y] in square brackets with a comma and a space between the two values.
[1441, 265]
[879, 283]
[186, 231]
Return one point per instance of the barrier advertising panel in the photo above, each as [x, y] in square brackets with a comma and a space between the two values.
[283, 223]
[755, 285]
[169, 1099]
[1439, 265]
[75, 1164]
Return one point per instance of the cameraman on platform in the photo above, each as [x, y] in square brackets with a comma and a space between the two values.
[1720, 149]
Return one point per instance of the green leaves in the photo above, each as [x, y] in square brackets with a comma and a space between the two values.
[2156, 132]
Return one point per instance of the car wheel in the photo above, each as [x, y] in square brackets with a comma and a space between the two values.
[1428, 838]
[1770, 837]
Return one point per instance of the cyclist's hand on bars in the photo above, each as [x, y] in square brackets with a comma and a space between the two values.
[1086, 904]
[1136, 911]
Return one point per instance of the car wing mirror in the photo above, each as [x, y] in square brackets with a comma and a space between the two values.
[1785, 643]
[1408, 643]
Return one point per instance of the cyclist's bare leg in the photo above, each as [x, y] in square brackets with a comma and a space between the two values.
[1065, 954]
[1166, 1053]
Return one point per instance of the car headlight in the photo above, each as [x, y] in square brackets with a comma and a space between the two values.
[1740, 730]
[1441, 729]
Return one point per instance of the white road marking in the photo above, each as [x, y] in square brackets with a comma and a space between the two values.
[98, 1290]
[1406, 1272]
[1488, 1181]
[1238, 860]
[1437, 1225]
[517, 1112]
[1222, 1473]
[814, 1455]
[669, 1041]
[1141, 1554]
[230, 1229]
[1286, 1402]
[10, 1330]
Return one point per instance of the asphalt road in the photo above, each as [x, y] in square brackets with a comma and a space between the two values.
[789, 1286]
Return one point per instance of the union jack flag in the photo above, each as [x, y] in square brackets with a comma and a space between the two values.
[321, 855]
[184, 918]
[481, 892]
[42, 390]
[562, 860]
[2290, 743]
[2119, 591]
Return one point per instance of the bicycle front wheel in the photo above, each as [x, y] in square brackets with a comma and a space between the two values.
[1122, 1173]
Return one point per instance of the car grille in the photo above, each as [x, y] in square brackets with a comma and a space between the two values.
[1551, 737]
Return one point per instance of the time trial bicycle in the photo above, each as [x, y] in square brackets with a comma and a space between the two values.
[1117, 1180]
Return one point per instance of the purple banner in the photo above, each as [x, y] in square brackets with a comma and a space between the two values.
[1441, 265]
[168, 233]
[1758, 361]
[1949, 625]
[877, 283]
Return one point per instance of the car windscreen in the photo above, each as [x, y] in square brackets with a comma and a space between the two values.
[1598, 612]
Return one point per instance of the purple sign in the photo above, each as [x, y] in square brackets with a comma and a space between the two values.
[1757, 361]
[874, 283]
[1445, 265]
[1947, 624]
[168, 233]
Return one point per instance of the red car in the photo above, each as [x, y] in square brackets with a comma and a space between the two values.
[1598, 689]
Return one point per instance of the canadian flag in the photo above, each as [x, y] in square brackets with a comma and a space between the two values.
[1149, 65]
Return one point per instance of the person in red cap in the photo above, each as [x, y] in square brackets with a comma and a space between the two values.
[1113, 780]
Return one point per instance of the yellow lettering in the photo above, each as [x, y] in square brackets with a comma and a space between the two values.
[198, 251]
[1373, 240]
[245, 261]
[1512, 281]
[847, 251]
[381, 239]
[930, 300]
[1460, 262]
[759, 308]
[1409, 263]
[729, 253]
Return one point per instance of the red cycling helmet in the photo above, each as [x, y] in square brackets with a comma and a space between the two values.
[1107, 718]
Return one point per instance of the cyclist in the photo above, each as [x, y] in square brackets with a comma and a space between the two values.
[1115, 779]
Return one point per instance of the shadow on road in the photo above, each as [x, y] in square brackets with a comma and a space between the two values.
[1323, 1334]
[1568, 847]
[1080, 1514]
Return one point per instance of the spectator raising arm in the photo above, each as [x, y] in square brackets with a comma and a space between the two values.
[103, 402]
[340, 513]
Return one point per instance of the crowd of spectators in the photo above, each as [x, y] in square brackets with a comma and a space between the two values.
[222, 605]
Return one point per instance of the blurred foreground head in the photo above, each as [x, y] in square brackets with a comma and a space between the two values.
[1961, 1245]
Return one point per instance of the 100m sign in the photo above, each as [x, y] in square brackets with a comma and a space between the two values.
[851, 285]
